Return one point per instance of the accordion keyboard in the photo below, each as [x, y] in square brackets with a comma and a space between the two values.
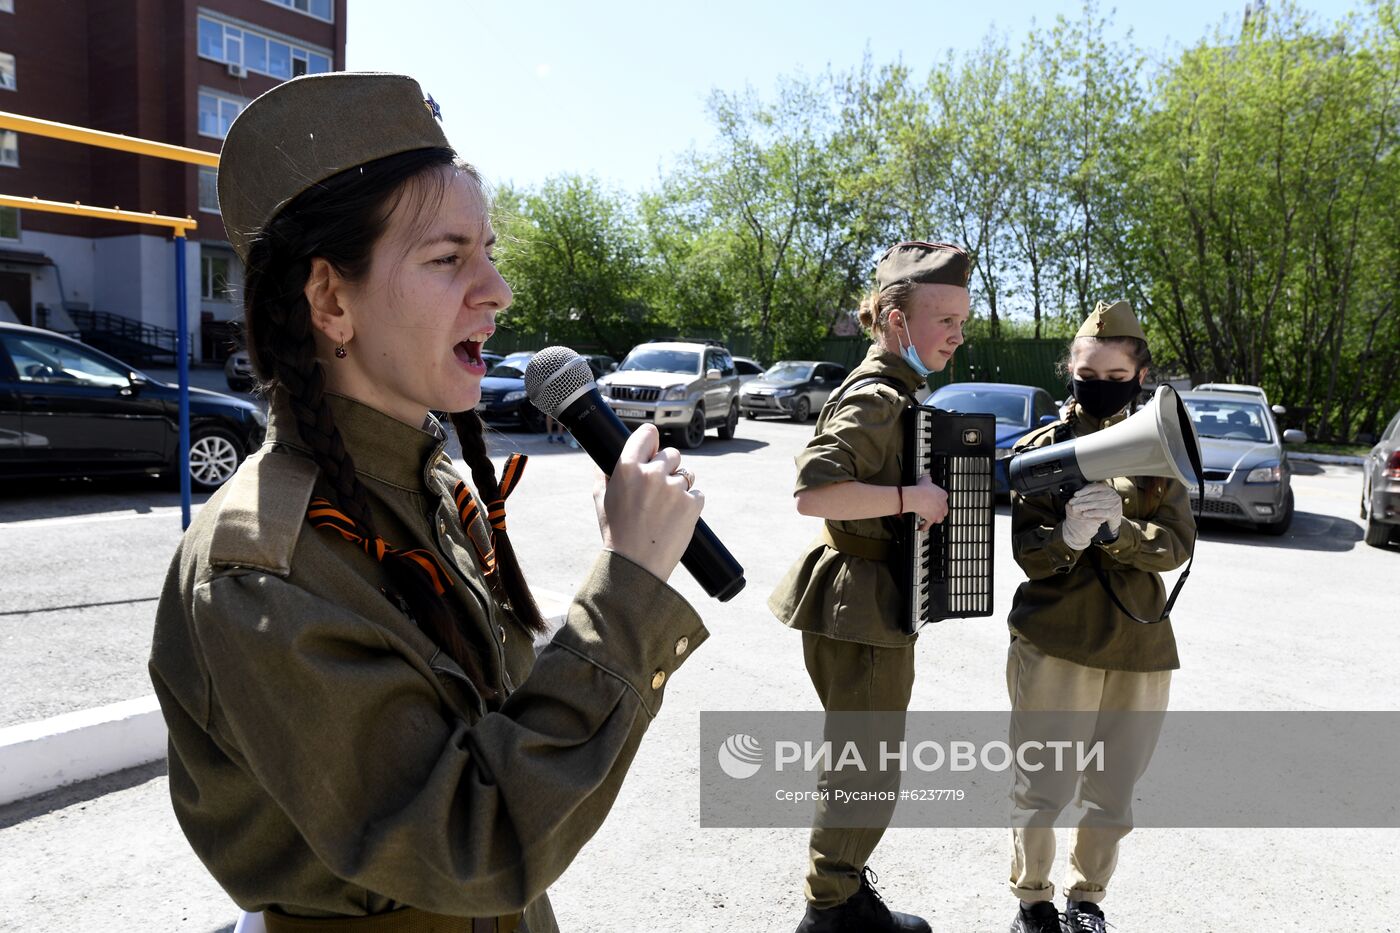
[947, 569]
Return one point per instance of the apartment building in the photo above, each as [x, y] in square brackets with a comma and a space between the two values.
[175, 71]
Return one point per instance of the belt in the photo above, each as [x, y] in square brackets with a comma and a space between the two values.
[404, 920]
[857, 545]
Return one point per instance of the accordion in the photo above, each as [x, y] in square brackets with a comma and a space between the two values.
[945, 572]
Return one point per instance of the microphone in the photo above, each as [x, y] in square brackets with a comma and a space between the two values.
[560, 384]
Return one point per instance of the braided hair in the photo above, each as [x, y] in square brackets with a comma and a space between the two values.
[340, 220]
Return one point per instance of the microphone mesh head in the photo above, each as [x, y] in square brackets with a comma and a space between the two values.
[556, 375]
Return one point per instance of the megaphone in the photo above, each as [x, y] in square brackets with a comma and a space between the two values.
[1156, 440]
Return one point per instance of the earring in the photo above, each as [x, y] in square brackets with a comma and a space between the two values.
[340, 353]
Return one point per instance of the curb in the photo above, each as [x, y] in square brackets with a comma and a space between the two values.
[1328, 458]
[37, 757]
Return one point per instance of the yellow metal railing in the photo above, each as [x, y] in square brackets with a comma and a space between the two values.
[77, 209]
[77, 134]
[179, 226]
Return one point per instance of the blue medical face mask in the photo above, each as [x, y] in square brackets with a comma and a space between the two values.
[911, 356]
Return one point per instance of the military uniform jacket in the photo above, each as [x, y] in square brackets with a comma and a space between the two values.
[859, 437]
[1062, 608]
[327, 758]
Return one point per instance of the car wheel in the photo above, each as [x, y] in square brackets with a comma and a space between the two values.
[1377, 533]
[726, 430]
[1284, 521]
[751, 415]
[693, 434]
[214, 457]
[802, 410]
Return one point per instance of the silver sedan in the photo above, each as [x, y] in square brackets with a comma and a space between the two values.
[1247, 476]
[1380, 491]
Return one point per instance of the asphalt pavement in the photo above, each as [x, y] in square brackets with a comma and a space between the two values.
[1301, 622]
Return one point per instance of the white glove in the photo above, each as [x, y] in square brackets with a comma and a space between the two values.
[1090, 507]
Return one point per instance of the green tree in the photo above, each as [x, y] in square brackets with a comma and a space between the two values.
[575, 256]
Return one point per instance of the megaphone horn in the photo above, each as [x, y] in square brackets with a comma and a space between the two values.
[1157, 440]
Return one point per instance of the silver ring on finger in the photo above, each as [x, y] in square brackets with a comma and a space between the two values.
[689, 477]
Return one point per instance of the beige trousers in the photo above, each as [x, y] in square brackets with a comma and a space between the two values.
[1038, 682]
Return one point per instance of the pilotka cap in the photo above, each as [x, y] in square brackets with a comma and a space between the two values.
[307, 129]
[917, 261]
[1112, 319]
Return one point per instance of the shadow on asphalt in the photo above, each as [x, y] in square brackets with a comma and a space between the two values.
[25, 499]
[713, 447]
[1310, 531]
[27, 809]
[1307, 467]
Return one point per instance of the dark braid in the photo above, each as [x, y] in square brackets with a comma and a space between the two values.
[347, 211]
[508, 582]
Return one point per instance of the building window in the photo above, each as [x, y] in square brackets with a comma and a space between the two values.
[9, 223]
[321, 9]
[7, 71]
[209, 190]
[262, 54]
[9, 148]
[213, 277]
[216, 113]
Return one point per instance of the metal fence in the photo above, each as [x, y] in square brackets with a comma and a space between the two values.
[1022, 361]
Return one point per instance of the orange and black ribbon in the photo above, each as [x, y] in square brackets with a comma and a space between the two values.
[470, 512]
[322, 514]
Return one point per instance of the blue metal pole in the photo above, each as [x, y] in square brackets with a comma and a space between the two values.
[182, 350]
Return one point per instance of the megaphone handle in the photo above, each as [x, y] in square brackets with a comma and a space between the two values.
[1104, 535]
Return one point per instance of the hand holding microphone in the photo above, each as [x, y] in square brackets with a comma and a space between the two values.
[560, 384]
[1093, 506]
[648, 508]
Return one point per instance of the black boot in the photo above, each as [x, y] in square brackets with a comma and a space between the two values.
[863, 912]
[1084, 917]
[1037, 917]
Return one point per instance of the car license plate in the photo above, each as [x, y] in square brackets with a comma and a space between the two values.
[1215, 490]
[631, 413]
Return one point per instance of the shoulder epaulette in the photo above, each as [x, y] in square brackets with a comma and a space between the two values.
[263, 512]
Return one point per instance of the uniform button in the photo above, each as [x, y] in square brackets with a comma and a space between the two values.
[442, 527]
[658, 679]
[682, 643]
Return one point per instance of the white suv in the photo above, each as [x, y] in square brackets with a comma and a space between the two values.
[683, 387]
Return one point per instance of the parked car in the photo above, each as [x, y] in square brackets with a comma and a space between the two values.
[1018, 410]
[490, 359]
[600, 363]
[1239, 388]
[1380, 490]
[747, 369]
[238, 371]
[682, 387]
[69, 410]
[794, 388]
[503, 397]
[1247, 476]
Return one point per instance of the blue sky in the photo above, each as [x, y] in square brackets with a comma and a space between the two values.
[618, 89]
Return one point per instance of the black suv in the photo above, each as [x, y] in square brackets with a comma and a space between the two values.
[69, 410]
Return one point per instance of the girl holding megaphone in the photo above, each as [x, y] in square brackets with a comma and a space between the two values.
[1073, 648]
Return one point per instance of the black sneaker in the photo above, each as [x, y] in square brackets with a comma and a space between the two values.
[1084, 917]
[864, 912]
[1039, 917]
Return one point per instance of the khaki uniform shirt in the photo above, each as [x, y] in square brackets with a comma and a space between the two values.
[859, 437]
[327, 758]
[1062, 608]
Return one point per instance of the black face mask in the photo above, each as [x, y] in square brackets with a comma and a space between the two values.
[1102, 397]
